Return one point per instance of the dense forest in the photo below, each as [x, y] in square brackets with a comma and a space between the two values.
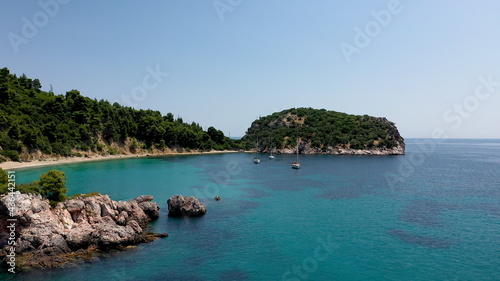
[35, 121]
[319, 128]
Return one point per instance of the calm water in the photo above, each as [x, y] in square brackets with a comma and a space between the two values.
[433, 214]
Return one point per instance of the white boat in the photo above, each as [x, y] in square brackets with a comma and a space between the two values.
[256, 160]
[271, 149]
[271, 156]
[296, 164]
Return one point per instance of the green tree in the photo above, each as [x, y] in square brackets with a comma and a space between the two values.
[169, 117]
[216, 135]
[37, 85]
[53, 184]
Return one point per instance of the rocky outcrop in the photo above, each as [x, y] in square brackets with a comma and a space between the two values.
[180, 206]
[74, 229]
[305, 148]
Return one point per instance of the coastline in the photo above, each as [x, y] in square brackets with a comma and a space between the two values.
[11, 165]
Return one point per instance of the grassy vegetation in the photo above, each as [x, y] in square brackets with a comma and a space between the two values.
[92, 194]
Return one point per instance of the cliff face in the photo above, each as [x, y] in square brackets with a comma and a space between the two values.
[74, 229]
[318, 131]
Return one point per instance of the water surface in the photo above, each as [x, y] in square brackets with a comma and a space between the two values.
[439, 221]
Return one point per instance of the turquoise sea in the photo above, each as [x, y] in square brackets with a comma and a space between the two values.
[432, 214]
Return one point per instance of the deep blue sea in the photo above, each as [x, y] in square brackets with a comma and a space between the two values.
[432, 214]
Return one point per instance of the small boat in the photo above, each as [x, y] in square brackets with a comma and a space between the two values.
[271, 156]
[271, 149]
[256, 159]
[296, 164]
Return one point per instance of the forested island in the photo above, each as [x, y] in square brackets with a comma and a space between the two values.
[319, 131]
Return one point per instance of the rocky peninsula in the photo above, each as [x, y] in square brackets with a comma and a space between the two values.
[75, 230]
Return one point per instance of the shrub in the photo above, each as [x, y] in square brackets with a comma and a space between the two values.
[11, 154]
[30, 188]
[113, 151]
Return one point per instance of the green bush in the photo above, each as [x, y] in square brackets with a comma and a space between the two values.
[61, 149]
[11, 154]
[33, 188]
[113, 151]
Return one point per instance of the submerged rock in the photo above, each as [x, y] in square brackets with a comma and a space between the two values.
[73, 230]
[179, 206]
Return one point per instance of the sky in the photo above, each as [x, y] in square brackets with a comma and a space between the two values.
[428, 66]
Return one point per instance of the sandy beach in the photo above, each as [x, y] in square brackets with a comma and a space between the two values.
[10, 165]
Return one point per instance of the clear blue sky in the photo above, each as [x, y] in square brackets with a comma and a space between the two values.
[227, 67]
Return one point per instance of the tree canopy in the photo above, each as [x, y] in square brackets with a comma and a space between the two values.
[36, 120]
[53, 184]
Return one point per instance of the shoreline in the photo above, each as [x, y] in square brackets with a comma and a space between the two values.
[11, 165]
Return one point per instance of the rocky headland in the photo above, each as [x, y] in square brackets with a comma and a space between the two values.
[73, 231]
[320, 131]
